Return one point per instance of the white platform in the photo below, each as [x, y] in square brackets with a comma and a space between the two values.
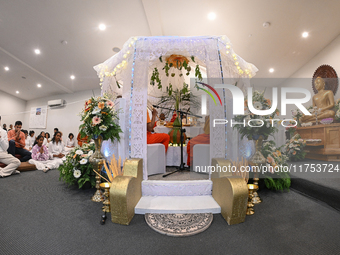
[201, 158]
[177, 204]
[156, 159]
[176, 188]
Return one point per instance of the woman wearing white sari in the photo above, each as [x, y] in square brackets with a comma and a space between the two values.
[56, 147]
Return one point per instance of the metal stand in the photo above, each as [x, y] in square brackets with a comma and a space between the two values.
[182, 166]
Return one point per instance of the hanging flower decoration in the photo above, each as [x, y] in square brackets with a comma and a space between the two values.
[177, 61]
[174, 61]
[100, 118]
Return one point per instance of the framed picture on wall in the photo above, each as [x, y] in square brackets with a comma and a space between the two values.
[38, 117]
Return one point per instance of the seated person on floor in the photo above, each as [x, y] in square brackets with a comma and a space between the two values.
[45, 142]
[152, 138]
[70, 141]
[31, 139]
[48, 137]
[200, 139]
[16, 140]
[27, 139]
[41, 156]
[56, 147]
[5, 158]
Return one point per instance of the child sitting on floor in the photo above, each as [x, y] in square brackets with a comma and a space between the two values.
[41, 156]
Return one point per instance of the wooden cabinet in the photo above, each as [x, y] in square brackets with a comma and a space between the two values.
[329, 147]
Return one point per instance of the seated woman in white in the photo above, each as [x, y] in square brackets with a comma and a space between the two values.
[45, 142]
[31, 140]
[41, 157]
[70, 143]
[56, 147]
[27, 139]
[48, 138]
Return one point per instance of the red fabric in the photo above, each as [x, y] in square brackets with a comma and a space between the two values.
[158, 138]
[200, 139]
[174, 116]
[18, 143]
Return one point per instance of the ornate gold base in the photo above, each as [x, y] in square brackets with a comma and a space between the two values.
[98, 195]
[250, 211]
[256, 198]
[106, 204]
[251, 189]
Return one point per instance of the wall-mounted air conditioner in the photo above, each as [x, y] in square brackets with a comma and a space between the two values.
[55, 103]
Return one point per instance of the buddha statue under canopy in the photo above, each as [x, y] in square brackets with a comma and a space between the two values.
[323, 100]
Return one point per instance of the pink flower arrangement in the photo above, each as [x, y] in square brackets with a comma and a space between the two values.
[109, 104]
[96, 120]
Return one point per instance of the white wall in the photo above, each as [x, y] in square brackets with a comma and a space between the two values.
[66, 118]
[11, 109]
[330, 55]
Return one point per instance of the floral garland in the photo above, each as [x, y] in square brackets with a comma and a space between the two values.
[267, 129]
[99, 118]
[77, 168]
[275, 158]
[294, 148]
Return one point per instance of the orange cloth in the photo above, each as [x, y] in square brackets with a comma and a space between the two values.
[200, 139]
[157, 138]
[20, 142]
[81, 140]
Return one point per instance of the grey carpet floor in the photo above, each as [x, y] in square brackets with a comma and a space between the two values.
[40, 215]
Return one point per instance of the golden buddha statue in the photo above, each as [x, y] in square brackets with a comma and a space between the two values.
[323, 101]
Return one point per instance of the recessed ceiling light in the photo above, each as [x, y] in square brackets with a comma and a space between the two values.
[266, 24]
[115, 49]
[17, 92]
[212, 16]
[271, 70]
[102, 27]
[39, 85]
[6, 68]
[305, 34]
[72, 77]
[37, 51]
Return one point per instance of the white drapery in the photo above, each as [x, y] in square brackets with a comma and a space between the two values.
[132, 68]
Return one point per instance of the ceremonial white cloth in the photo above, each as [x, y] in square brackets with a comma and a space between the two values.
[173, 155]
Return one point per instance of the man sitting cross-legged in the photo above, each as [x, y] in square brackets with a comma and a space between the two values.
[16, 140]
[5, 158]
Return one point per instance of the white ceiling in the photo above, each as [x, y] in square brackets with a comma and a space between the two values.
[29, 24]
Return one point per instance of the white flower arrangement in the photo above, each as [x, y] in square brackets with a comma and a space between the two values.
[77, 173]
[79, 152]
[83, 161]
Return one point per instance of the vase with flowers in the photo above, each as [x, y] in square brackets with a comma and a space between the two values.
[100, 122]
[256, 128]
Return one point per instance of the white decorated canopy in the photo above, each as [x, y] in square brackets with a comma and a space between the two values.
[132, 68]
